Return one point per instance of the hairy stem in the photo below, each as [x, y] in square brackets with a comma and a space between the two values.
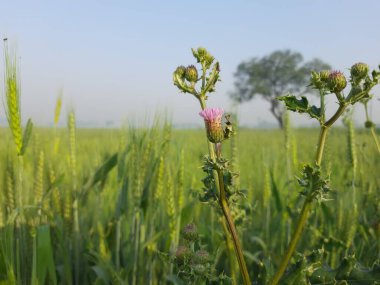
[308, 201]
[219, 183]
[231, 226]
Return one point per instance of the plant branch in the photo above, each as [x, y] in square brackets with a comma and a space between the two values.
[308, 201]
[231, 226]
[219, 183]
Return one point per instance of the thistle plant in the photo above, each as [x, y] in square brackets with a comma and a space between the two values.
[218, 184]
[193, 261]
[314, 183]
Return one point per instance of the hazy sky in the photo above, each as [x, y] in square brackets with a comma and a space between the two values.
[114, 59]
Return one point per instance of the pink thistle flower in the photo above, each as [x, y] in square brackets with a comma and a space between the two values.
[213, 122]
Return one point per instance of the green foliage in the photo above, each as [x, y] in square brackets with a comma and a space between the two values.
[301, 106]
[194, 264]
[96, 154]
[315, 186]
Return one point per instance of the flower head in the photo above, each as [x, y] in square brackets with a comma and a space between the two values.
[190, 232]
[359, 71]
[336, 81]
[212, 114]
[202, 256]
[213, 122]
[182, 254]
[324, 75]
[191, 73]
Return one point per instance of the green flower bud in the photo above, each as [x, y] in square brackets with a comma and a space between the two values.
[202, 52]
[199, 269]
[202, 256]
[191, 73]
[336, 81]
[369, 124]
[324, 75]
[209, 59]
[190, 232]
[359, 71]
[180, 71]
[182, 255]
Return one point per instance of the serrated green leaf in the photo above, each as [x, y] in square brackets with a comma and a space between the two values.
[301, 106]
[312, 182]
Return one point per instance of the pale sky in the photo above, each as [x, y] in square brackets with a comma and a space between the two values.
[114, 59]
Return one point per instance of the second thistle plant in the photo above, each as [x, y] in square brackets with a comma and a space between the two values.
[315, 186]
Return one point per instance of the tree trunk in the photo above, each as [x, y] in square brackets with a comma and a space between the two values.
[277, 111]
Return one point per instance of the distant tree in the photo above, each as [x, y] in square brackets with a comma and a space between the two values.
[274, 75]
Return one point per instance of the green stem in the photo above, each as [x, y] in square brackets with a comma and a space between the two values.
[77, 241]
[293, 243]
[231, 226]
[308, 201]
[323, 107]
[117, 245]
[321, 145]
[219, 183]
[338, 113]
[20, 225]
[373, 132]
[229, 253]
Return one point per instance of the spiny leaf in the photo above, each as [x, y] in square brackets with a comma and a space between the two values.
[301, 106]
[315, 186]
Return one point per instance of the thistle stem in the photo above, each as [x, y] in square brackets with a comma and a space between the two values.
[231, 226]
[308, 201]
[219, 183]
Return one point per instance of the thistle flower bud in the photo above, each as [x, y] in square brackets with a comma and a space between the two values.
[202, 256]
[182, 254]
[202, 52]
[180, 71]
[179, 80]
[199, 269]
[359, 71]
[213, 122]
[191, 74]
[336, 81]
[190, 232]
[369, 124]
[209, 59]
[324, 75]
[203, 56]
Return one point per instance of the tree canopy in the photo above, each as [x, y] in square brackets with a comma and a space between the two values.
[274, 75]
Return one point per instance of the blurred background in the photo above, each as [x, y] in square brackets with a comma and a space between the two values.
[113, 60]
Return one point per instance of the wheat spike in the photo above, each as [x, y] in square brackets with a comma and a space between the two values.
[171, 209]
[73, 146]
[12, 96]
[160, 180]
[58, 107]
[181, 177]
[39, 179]
[56, 196]
[10, 191]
